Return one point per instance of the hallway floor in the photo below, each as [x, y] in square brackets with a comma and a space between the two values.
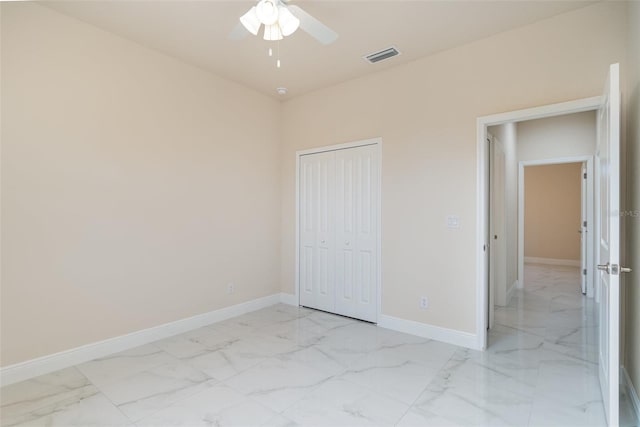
[288, 366]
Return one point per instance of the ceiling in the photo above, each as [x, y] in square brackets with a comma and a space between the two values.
[196, 32]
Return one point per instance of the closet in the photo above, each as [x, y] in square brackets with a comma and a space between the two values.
[338, 231]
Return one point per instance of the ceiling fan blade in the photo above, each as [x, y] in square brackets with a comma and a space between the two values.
[238, 32]
[311, 25]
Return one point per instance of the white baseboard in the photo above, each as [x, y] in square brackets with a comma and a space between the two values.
[289, 299]
[64, 359]
[451, 336]
[552, 261]
[631, 391]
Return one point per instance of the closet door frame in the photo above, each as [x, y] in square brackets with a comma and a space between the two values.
[378, 143]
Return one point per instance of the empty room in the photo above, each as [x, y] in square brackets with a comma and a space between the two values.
[319, 213]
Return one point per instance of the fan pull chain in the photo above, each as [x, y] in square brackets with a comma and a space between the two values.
[270, 52]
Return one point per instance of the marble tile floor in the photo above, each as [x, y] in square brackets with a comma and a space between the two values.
[289, 366]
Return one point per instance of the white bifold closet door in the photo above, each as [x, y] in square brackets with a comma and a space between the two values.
[317, 230]
[338, 231]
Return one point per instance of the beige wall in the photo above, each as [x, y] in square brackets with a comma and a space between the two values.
[134, 187]
[631, 282]
[138, 209]
[426, 112]
[562, 136]
[552, 205]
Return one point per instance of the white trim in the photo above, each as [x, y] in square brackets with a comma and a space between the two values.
[343, 146]
[335, 147]
[451, 336]
[64, 359]
[630, 390]
[590, 216]
[379, 231]
[544, 111]
[552, 261]
[576, 106]
[591, 228]
[481, 234]
[288, 299]
[296, 286]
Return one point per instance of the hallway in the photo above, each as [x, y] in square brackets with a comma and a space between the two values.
[549, 334]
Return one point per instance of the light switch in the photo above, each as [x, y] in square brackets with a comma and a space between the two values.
[453, 221]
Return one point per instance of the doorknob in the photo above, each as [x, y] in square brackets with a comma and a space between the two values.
[615, 269]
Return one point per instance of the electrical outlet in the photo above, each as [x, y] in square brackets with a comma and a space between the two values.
[424, 302]
[231, 288]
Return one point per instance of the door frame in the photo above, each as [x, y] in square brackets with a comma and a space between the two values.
[590, 256]
[361, 143]
[482, 123]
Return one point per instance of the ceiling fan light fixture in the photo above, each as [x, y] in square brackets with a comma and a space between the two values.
[287, 21]
[272, 32]
[267, 12]
[280, 20]
[250, 21]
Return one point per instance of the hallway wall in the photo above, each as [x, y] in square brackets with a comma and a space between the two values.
[561, 136]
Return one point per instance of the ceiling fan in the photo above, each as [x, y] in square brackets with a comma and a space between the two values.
[280, 20]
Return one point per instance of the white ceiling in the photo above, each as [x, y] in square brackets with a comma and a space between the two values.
[196, 32]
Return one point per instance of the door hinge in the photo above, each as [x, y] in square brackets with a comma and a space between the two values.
[584, 175]
[584, 272]
[584, 224]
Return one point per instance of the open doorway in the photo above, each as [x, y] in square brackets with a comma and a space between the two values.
[538, 318]
[552, 214]
[555, 216]
[561, 149]
[506, 128]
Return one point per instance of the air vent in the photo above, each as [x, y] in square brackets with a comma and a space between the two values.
[382, 55]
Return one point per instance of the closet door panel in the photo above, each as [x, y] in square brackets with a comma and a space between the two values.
[366, 231]
[346, 244]
[317, 205]
[356, 232]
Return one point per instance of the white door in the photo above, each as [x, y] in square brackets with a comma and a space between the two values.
[608, 162]
[487, 246]
[356, 232]
[583, 230]
[498, 255]
[317, 205]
